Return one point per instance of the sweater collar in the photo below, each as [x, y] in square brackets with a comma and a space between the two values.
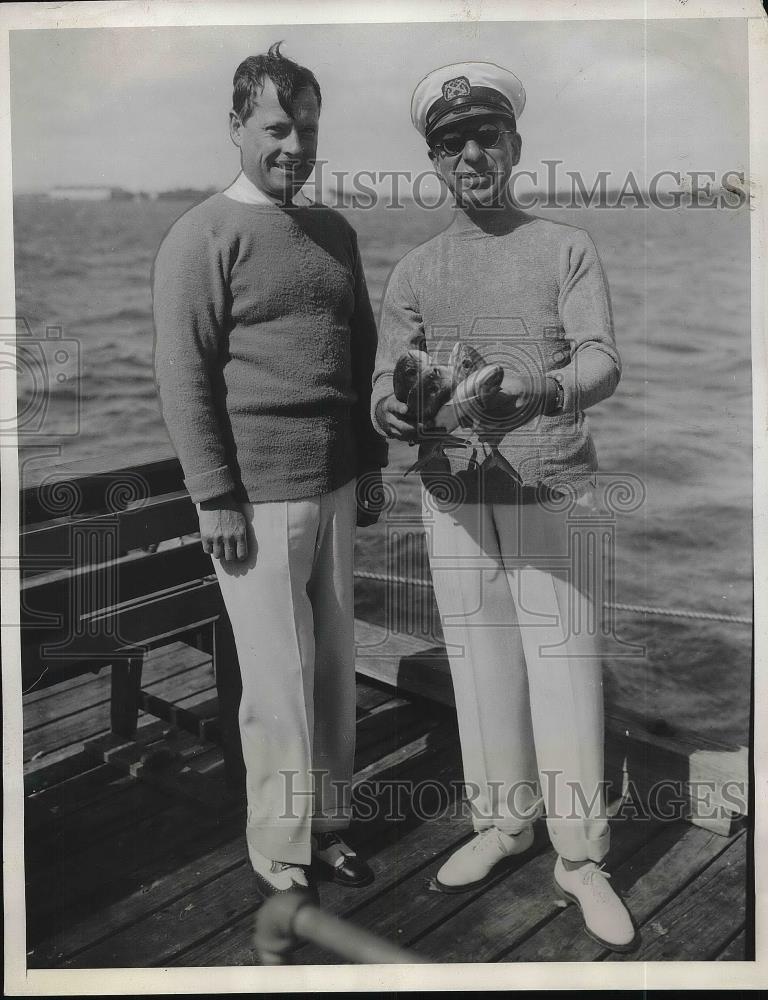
[491, 223]
[241, 189]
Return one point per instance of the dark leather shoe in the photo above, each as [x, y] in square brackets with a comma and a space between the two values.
[345, 866]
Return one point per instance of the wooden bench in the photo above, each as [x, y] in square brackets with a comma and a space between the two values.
[112, 568]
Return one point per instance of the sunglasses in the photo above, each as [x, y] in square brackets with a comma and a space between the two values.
[486, 136]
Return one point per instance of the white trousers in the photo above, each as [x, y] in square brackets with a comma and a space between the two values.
[291, 604]
[513, 590]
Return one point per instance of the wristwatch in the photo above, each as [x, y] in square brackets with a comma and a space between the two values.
[557, 398]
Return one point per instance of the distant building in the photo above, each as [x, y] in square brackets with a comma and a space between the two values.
[186, 194]
[81, 192]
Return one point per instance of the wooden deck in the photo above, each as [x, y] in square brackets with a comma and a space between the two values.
[121, 873]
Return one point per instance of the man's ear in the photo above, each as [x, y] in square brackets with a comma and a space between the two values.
[235, 128]
[432, 154]
[517, 142]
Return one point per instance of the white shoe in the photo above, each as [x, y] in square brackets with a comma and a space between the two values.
[472, 865]
[277, 876]
[606, 918]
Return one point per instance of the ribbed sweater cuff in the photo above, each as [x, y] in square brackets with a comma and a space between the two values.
[207, 485]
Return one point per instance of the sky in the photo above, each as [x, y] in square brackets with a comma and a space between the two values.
[147, 108]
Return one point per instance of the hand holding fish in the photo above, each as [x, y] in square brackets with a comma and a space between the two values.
[441, 398]
[393, 417]
[515, 393]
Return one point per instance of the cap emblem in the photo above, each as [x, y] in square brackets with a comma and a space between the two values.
[458, 87]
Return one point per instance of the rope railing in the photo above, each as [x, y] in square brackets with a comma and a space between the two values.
[290, 919]
[642, 609]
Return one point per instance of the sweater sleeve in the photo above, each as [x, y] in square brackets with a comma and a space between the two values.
[585, 311]
[190, 306]
[372, 451]
[400, 330]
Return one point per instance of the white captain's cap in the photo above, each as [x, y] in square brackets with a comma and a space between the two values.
[452, 93]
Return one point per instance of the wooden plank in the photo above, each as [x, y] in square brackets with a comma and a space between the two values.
[49, 545]
[45, 489]
[392, 725]
[191, 859]
[647, 880]
[67, 762]
[76, 831]
[477, 927]
[699, 921]
[384, 730]
[402, 661]
[50, 769]
[82, 782]
[85, 589]
[369, 696]
[129, 629]
[202, 907]
[82, 886]
[706, 781]
[168, 765]
[59, 690]
[396, 843]
[180, 653]
[61, 770]
[735, 950]
[80, 791]
[83, 831]
[77, 727]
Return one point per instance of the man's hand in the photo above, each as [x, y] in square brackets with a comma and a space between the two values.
[391, 415]
[223, 528]
[370, 497]
[515, 394]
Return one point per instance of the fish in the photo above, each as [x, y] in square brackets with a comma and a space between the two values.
[466, 362]
[422, 385]
[442, 398]
[465, 404]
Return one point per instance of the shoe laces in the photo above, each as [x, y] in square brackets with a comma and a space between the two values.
[297, 873]
[331, 845]
[488, 839]
[589, 876]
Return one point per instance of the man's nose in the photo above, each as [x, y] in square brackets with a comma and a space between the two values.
[292, 144]
[473, 151]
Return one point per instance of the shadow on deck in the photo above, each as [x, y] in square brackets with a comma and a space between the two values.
[121, 873]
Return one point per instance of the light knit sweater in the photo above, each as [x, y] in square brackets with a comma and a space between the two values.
[264, 349]
[531, 295]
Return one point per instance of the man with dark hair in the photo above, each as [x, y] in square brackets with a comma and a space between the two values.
[265, 344]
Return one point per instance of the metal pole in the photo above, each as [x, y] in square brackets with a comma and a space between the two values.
[287, 919]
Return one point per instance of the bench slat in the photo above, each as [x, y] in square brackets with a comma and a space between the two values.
[120, 634]
[90, 588]
[78, 489]
[47, 546]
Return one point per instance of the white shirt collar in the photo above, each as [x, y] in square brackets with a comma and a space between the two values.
[241, 189]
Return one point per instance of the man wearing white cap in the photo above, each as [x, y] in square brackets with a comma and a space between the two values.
[505, 507]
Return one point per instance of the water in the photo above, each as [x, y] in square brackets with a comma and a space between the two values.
[680, 420]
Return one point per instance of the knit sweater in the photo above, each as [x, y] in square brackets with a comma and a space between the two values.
[532, 296]
[264, 349]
